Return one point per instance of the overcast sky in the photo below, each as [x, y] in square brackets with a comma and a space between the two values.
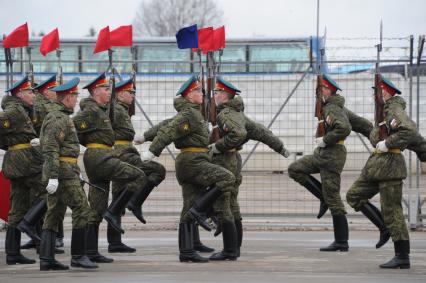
[243, 18]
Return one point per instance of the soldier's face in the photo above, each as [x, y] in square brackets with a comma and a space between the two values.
[27, 96]
[102, 94]
[220, 97]
[49, 94]
[126, 97]
[386, 95]
[195, 96]
[70, 100]
[326, 93]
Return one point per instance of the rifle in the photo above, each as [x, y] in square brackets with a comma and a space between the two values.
[319, 103]
[132, 108]
[112, 86]
[60, 78]
[211, 81]
[204, 109]
[6, 58]
[30, 72]
[379, 114]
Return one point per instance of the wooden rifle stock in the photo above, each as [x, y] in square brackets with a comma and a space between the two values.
[318, 108]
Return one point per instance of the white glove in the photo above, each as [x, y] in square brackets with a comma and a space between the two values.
[139, 140]
[213, 149]
[381, 146]
[285, 152]
[52, 186]
[35, 142]
[320, 142]
[81, 176]
[147, 156]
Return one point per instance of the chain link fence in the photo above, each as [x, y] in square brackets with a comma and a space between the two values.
[279, 94]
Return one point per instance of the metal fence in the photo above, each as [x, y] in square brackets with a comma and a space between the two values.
[284, 101]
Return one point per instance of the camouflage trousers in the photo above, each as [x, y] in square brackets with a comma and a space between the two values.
[195, 172]
[329, 171]
[24, 193]
[390, 201]
[70, 194]
[154, 171]
[102, 168]
[232, 162]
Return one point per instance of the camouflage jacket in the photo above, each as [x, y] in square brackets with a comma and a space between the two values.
[16, 128]
[359, 124]
[337, 124]
[401, 132]
[93, 124]
[122, 124]
[58, 138]
[186, 129]
[41, 107]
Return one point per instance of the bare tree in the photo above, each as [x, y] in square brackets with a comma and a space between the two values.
[166, 17]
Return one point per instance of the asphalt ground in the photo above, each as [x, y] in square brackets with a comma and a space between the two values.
[267, 256]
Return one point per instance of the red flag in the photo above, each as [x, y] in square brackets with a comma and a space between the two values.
[219, 38]
[49, 42]
[205, 39]
[4, 197]
[17, 38]
[122, 36]
[103, 43]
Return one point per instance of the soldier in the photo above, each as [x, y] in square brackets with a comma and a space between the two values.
[194, 171]
[95, 132]
[22, 163]
[235, 130]
[328, 159]
[33, 220]
[126, 152]
[61, 149]
[384, 171]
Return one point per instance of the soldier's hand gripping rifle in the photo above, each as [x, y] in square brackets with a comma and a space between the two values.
[112, 87]
[379, 115]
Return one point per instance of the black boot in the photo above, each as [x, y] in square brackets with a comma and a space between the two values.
[198, 211]
[31, 219]
[47, 252]
[113, 213]
[375, 216]
[92, 252]
[230, 242]
[59, 243]
[198, 246]
[114, 242]
[315, 187]
[28, 245]
[135, 203]
[13, 248]
[239, 227]
[186, 244]
[402, 256]
[341, 235]
[78, 250]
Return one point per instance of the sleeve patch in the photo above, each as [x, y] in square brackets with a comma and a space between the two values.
[184, 127]
[83, 125]
[5, 124]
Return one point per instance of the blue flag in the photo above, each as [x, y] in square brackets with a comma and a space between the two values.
[187, 37]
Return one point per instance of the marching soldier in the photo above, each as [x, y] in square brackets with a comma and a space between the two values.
[61, 149]
[384, 171]
[235, 130]
[126, 152]
[328, 160]
[95, 132]
[22, 163]
[33, 220]
[194, 171]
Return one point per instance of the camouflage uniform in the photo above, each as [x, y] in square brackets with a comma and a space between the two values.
[327, 161]
[41, 107]
[102, 166]
[59, 139]
[194, 170]
[22, 164]
[384, 172]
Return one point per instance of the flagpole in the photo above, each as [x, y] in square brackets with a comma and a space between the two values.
[60, 78]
